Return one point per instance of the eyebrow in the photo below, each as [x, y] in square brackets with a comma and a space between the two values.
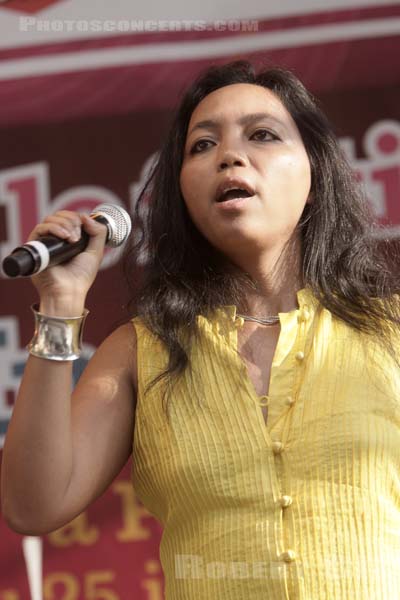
[245, 120]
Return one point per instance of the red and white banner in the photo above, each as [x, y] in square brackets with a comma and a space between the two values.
[85, 99]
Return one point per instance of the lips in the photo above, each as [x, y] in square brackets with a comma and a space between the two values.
[233, 188]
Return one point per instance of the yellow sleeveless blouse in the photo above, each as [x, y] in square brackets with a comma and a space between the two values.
[306, 507]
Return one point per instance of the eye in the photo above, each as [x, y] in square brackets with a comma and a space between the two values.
[264, 135]
[199, 146]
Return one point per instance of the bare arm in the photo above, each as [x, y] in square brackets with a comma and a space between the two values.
[62, 451]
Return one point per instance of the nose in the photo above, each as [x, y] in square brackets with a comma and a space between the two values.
[231, 158]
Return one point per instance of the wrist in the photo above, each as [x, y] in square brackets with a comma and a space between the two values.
[61, 307]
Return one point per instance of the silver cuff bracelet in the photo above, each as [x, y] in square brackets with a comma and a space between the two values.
[57, 338]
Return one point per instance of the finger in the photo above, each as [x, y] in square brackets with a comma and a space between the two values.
[49, 229]
[69, 226]
[72, 217]
[73, 226]
[97, 232]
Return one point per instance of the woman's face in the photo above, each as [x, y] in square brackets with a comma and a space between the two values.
[241, 136]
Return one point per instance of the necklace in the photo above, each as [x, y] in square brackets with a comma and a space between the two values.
[261, 320]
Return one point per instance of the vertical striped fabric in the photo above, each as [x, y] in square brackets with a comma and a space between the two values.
[306, 507]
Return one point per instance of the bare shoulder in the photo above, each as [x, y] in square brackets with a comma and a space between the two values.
[115, 358]
[119, 350]
[107, 388]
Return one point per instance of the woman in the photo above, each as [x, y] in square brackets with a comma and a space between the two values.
[266, 319]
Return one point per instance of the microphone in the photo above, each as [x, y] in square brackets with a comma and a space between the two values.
[36, 256]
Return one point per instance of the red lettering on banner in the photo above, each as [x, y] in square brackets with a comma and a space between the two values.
[389, 179]
[25, 195]
[382, 145]
[24, 192]
[379, 172]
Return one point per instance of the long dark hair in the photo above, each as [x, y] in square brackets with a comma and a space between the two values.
[184, 276]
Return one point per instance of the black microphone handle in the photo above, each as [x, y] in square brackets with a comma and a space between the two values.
[61, 250]
[25, 261]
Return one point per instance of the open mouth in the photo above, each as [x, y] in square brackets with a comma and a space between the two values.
[234, 194]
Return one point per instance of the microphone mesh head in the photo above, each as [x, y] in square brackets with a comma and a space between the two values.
[118, 221]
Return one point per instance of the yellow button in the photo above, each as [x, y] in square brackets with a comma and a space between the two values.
[277, 447]
[288, 556]
[263, 400]
[239, 322]
[289, 400]
[300, 355]
[303, 315]
[286, 501]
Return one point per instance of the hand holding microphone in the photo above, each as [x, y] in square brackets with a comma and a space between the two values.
[72, 244]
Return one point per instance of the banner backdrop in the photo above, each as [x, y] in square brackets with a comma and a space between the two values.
[81, 122]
